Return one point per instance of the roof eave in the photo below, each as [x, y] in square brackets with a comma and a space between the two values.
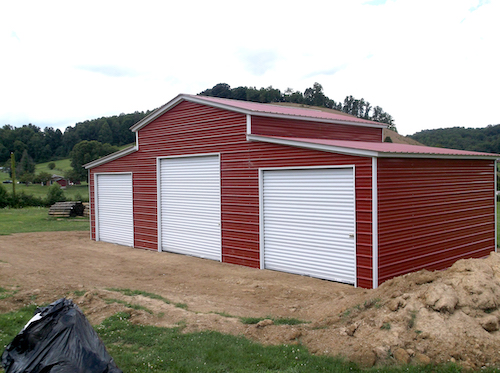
[158, 112]
[111, 157]
[365, 152]
[308, 145]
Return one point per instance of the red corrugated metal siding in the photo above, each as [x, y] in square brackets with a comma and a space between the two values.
[308, 129]
[195, 129]
[433, 212]
[240, 198]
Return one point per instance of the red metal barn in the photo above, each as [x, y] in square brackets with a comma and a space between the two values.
[299, 190]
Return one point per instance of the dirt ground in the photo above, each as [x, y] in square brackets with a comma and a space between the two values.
[418, 318]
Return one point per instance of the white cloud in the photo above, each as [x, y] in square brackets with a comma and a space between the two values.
[429, 64]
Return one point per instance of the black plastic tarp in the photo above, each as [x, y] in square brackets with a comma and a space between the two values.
[58, 339]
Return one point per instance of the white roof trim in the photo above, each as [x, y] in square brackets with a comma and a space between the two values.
[111, 157]
[363, 152]
[308, 145]
[197, 99]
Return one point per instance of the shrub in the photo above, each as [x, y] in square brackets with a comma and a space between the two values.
[25, 200]
[4, 197]
[52, 165]
[55, 194]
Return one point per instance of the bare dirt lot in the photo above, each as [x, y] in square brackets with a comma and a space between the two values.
[419, 318]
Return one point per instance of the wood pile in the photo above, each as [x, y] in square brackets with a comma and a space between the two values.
[86, 210]
[67, 209]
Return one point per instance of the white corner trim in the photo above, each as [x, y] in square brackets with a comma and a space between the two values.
[261, 218]
[249, 124]
[158, 204]
[374, 223]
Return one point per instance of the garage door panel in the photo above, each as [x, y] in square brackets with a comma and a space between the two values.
[115, 208]
[309, 222]
[190, 206]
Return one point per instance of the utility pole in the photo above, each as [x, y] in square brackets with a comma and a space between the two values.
[13, 171]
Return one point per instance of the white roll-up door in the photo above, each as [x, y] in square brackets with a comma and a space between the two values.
[309, 222]
[114, 201]
[190, 206]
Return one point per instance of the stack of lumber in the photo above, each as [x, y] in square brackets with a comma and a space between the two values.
[66, 209]
[86, 210]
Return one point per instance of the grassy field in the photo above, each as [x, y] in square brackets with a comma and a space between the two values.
[37, 219]
[62, 166]
[73, 193]
[139, 348]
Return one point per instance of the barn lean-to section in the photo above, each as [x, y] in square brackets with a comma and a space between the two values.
[250, 146]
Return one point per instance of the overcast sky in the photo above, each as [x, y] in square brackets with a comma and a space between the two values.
[430, 64]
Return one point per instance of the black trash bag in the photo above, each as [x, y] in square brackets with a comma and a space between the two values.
[58, 339]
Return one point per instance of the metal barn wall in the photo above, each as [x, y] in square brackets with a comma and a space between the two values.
[309, 129]
[191, 128]
[432, 212]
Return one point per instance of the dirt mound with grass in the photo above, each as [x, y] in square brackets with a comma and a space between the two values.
[420, 318]
[426, 317]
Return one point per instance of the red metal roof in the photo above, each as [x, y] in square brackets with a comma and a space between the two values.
[260, 109]
[257, 107]
[376, 149]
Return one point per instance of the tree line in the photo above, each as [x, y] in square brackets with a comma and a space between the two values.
[313, 96]
[52, 144]
[475, 139]
[91, 139]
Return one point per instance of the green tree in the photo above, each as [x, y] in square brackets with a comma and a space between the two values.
[52, 165]
[43, 177]
[27, 178]
[73, 175]
[88, 151]
[4, 153]
[105, 134]
[55, 194]
[26, 165]
[313, 96]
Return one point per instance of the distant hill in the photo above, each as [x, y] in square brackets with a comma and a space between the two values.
[476, 139]
[398, 139]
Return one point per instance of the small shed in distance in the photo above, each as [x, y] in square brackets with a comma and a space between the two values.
[305, 191]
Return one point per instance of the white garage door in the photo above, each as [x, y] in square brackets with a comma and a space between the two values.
[115, 221]
[190, 206]
[309, 222]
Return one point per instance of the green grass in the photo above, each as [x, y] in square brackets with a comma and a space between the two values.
[139, 348]
[62, 166]
[37, 219]
[128, 305]
[11, 323]
[5, 293]
[71, 192]
[131, 293]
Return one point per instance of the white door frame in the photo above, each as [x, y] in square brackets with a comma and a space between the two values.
[96, 202]
[158, 193]
[261, 207]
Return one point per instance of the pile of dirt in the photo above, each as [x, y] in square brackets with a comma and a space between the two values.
[419, 318]
[423, 317]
